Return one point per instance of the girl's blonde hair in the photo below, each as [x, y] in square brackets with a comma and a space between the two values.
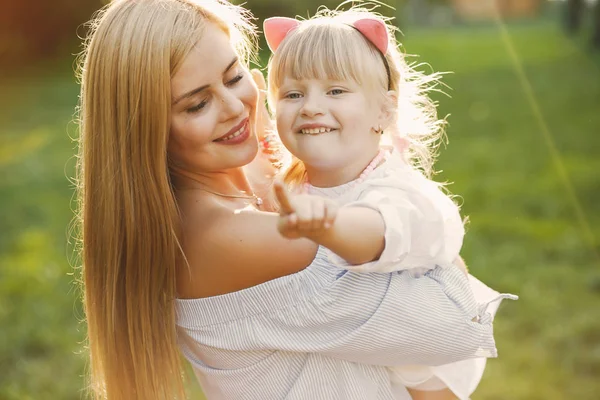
[328, 47]
[128, 219]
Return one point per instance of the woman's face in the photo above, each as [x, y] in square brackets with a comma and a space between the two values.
[213, 108]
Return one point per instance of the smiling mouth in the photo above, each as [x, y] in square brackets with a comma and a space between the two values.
[315, 131]
[237, 133]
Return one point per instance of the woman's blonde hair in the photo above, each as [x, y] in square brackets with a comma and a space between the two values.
[327, 47]
[128, 219]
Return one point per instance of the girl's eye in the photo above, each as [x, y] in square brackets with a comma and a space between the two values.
[336, 91]
[292, 96]
[198, 107]
[235, 80]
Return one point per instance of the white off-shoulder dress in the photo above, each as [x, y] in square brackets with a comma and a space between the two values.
[331, 333]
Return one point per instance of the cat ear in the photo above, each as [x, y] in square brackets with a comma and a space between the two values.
[374, 30]
[276, 29]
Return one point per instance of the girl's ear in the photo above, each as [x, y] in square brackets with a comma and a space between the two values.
[389, 109]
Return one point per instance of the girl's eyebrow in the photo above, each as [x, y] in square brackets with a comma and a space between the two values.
[201, 88]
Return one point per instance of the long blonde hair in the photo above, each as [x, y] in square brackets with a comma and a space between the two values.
[127, 216]
[327, 47]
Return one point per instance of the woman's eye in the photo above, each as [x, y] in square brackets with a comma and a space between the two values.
[197, 108]
[336, 91]
[235, 80]
[292, 96]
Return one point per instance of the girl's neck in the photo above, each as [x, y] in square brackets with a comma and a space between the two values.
[345, 174]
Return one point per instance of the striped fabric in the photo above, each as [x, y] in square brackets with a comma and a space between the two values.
[325, 333]
[423, 229]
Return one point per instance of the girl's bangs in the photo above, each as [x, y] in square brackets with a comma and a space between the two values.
[319, 52]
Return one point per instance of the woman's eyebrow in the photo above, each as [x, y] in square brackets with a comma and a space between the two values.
[201, 88]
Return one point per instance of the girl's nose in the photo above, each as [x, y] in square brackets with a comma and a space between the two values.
[311, 106]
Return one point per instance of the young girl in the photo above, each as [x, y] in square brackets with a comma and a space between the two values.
[339, 85]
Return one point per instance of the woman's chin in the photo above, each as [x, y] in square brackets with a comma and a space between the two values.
[247, 152]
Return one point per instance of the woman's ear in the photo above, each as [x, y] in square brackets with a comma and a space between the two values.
[389, 109]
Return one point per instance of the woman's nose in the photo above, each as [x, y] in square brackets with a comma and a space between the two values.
[232, 105]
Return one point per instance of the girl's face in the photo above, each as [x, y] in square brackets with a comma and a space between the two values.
[327, 125]
[213, 108]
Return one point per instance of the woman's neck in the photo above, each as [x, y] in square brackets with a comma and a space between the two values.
[230, 182]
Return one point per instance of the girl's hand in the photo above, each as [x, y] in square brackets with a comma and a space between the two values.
[303, 215]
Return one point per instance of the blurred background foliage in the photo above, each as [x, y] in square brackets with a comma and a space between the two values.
[524, 155]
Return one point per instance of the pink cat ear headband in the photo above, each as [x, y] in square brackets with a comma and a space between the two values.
[277, 28]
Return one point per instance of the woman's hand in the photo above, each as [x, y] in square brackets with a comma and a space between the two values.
[264, 123]
[303, 215]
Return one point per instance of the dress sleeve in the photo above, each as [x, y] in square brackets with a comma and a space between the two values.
[379, 319]
[422, 226]
[460, 377]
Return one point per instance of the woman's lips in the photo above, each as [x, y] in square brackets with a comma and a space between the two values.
[238, 134]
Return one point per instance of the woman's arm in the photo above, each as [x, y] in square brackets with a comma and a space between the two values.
[379, 319]
[383, 319]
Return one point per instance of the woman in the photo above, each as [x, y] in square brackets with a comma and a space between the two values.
[178, 245]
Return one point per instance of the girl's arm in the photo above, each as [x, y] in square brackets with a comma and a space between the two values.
[356, 234]
[385, 230]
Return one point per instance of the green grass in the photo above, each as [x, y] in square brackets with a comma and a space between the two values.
[40, 336]
[525, 236]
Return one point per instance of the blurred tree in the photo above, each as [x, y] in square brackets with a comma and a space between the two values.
[268, 8]
[50, 28]
[42, 30]
[573, 15]
[596, 34]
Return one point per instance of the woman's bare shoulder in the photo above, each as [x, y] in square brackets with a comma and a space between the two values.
[229, 250]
